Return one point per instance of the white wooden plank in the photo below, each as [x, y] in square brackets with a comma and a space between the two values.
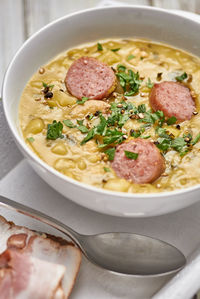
[11, 38]
[66, 7]
[188, 5]
[169, 4]
[38, 13]
[197, 10]
[12, 31]
[134, 2]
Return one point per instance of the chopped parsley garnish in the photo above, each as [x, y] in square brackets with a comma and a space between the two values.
[129, 80]
[69, 123]
[30, 139]
[89, 136]
[90, 116]
[196, 139]
[181, 77]
[172, 120]
[145, 137]
[83, 129]
[111, 153]
[131, 56]
[106, 169]
[99, 47]
[54, 130]
[81, 102]
[108, 132]
[101, 128]
[149, 84]
[115, 50]
[135, 133]
[180, 144]
[49, 87]
[152, 118]
[112, 137]
[142, 108]
[131, 155]
[121, 68]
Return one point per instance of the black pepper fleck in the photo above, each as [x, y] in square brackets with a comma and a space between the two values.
[46, 89]
[48, 95]
[97, 113]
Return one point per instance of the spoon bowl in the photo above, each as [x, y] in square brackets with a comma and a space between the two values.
[122, 253]
[132, 254]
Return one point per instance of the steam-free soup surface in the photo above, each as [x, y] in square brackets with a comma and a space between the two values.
[86, 161]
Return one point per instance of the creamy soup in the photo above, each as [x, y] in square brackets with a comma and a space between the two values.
[60, 128]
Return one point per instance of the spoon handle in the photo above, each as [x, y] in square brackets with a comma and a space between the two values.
[20, 208]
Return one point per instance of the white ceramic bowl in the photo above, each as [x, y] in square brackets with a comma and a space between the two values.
[70, 31]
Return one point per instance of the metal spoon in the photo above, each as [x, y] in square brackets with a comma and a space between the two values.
[124, 253]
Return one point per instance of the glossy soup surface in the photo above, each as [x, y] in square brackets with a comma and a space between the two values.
[87, 163]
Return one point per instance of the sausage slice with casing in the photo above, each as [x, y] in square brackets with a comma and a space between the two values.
[173, 98]
[88, 77]
[148, 166]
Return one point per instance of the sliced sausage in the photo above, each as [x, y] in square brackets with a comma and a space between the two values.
[148, 166]
[88, 77]
[173, 98]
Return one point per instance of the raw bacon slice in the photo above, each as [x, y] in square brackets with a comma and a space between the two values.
[26, 277]
[44, 254]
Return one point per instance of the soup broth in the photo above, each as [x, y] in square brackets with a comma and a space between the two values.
[88, 162]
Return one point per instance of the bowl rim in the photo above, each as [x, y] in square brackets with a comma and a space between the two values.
[18, 139]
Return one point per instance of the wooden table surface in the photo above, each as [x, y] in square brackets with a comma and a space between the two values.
[19, 19]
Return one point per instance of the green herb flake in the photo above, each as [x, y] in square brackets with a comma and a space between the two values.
[99, 47]
[131, 56]
[110, 153]
[69, 123]
[129, 80]
[45, 85]
[115, 50]
[145, 137]
[83, 129]
[101, 128]
[30, 139]
[196, 139]
[181, 77]
[163, 144]
[171, 121]
[121, 68]
[162, 132]
[80, 122]
[135, 133]
[54, 130]
[81, 102]
[131, 155]
[178, 144]
[141, 108]
[149, 84]
[106, 169]
[90, 116]
[89, 136]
